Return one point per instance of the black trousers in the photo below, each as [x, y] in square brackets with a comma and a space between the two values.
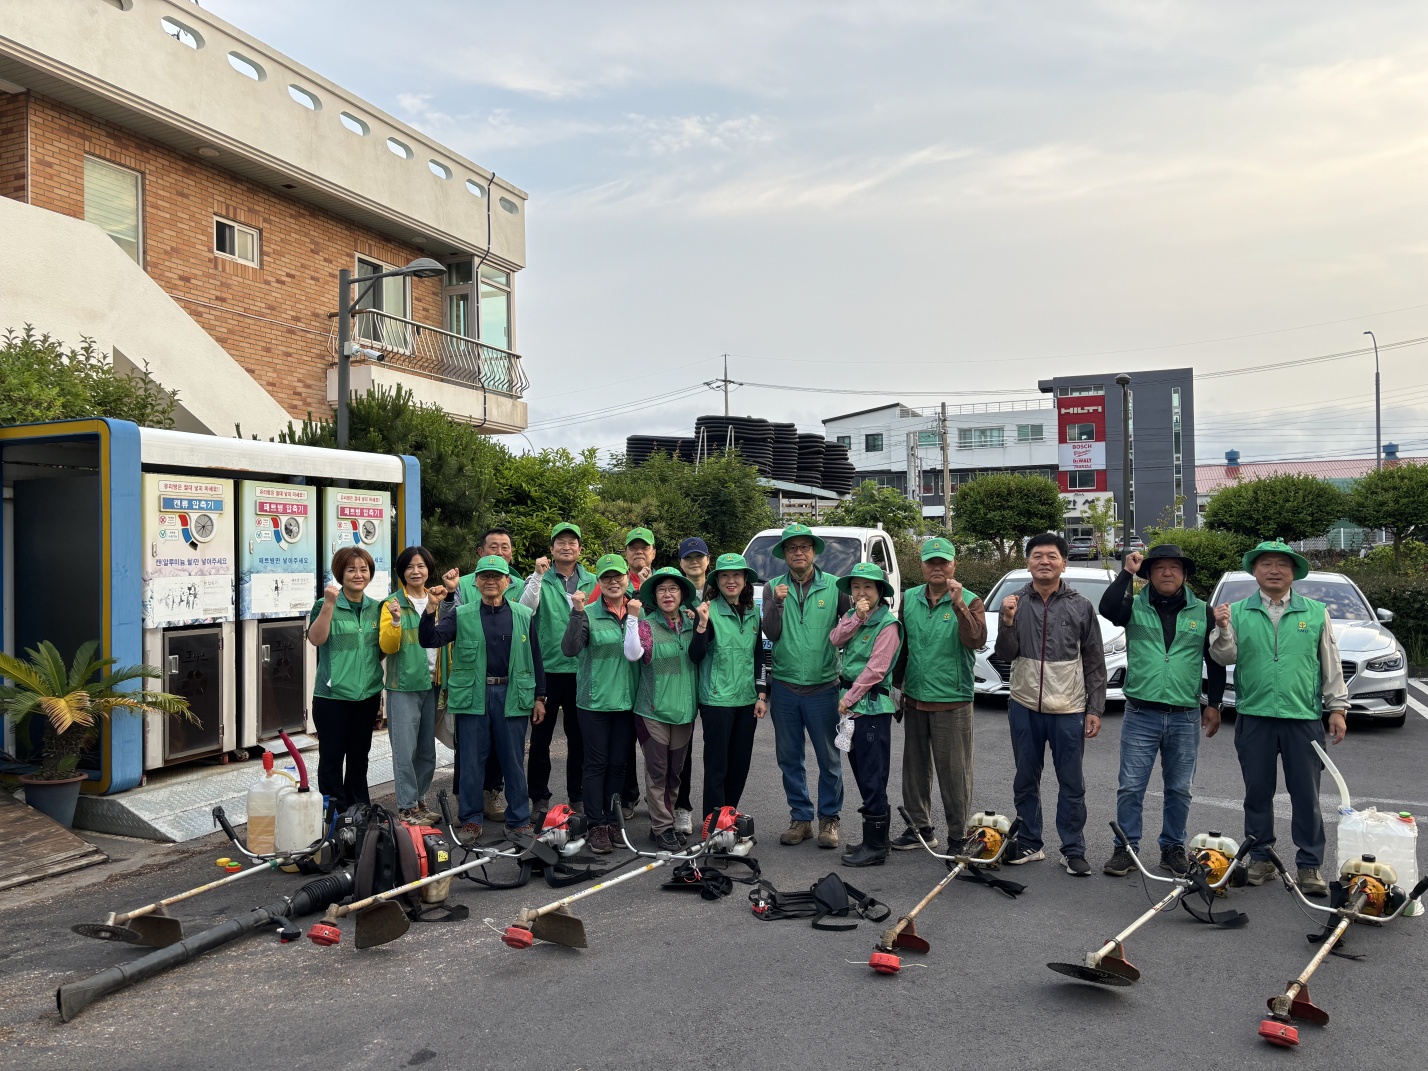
[344, 742]
[870, 758]
[682, 803]
[608, 735]
[728, 748]
[560, 699]
[630, 788]
[1263, 744]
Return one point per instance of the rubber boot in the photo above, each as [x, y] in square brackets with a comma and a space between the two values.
[874, 849]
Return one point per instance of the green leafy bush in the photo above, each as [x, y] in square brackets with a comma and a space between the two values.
[1005, 508]
[1407, 597]
[42, 380]
[1289, 507]
[870, 505]
[1214, 553]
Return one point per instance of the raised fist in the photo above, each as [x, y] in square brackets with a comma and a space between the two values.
[864, 606]
[954, 587]
[781, 592]
[577, 602]
[1132, 562]
[541, 565]
[701, 612]
[451, 578]
[1222, 615]
[394, 608]
[330, 593]
[633, 606]
[1009, 609]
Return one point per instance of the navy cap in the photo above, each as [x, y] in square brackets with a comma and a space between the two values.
[693, 545]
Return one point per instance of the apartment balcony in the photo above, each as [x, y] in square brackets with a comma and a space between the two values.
[481, 384]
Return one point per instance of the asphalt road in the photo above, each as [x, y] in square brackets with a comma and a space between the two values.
[671, 981]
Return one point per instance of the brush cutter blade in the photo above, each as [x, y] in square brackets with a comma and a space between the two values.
[380, 923]
[1301, 1007]
[1099, 975]
[910, 941]
[560, 928]
[157, 931]
[104, 931]
[1277, 1033]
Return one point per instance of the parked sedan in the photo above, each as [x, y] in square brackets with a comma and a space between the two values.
[1082, 548]
[1374, 662]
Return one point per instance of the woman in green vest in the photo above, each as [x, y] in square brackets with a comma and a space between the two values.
[344, 626]
[411, 688]
[605, 679]
[869, 637]
[733, 694]
[667, 694]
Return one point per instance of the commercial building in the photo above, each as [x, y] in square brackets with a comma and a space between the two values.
[186, 195]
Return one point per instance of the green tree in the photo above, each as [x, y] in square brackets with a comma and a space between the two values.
[1005, 508]
[871, 505]
[1289, 507]
[1214, 553]
[1100, 517]
[1395, 499]
[42, 380]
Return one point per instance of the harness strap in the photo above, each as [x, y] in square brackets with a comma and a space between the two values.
[1012, 889]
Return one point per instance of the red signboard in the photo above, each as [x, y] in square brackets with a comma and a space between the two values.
[1081, 433]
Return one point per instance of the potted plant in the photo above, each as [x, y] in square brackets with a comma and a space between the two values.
[74, 699]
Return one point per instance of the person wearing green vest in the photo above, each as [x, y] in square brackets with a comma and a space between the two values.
[869, 637]
[1287, 674]
[694, 564]
[1167, 642]
[344, 626]
[667, 695]
[639, 556]
[944, 625]
[548, 592]
[495, 687]
[605, 680]
[411, 691]
[733, 694]
[801, 606]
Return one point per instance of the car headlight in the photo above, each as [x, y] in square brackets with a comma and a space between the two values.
[1386, 665]
[1117, 645]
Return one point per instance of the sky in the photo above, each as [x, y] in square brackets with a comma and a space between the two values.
[918, 201]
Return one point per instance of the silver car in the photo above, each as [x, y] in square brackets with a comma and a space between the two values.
[1375, 664]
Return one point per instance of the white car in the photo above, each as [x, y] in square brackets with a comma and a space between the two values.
[993, 676]
[843, 548]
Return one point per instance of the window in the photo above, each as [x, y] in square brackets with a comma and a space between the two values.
[980, 438]
[495, 325]
[873, 444]
[929, 438]
[391, 296]
[845, 441]
[1176, 427]
[896, 480]
[1030, 433]
[878, 552]
[1081, 480]
[113, 200]
[1081, 392]
[479, 307]
[1080, 433]
[235, 241]
[931, 481]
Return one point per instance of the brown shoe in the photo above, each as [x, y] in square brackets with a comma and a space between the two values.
[470, 833]
[599, 841]
[796, 833]
[494, 804]
[827, 832]
[427, 815]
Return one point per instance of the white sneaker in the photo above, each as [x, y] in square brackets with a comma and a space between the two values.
[683, 821]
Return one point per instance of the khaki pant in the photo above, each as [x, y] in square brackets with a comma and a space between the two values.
[664, 747]
[943, 741]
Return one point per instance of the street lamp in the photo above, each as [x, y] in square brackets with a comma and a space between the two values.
[1377, 412]
[421, 268]
[1124, 382]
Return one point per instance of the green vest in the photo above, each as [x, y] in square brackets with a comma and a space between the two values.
[803, 654]
[466, 686]
[1277, 674]
[467, 587]
[408, 670]
[1154, 674]
[726, 676]
[669, 682]
[349, 664]
[604, 679]
[554, 614]
[939, 668]
[856, 654]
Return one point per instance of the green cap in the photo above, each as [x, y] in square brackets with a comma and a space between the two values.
[1275, 546]
[611, 563]
[734, 563]
[866, 571]
[793, 531]
[647, 588]
[938, 548]
[566, 526]
[493, 563]
[640, 533]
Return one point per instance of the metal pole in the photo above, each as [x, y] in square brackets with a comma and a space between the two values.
[344, 359]
[946, 475]
[1124, 381]
[726, 384]
[1377, 411]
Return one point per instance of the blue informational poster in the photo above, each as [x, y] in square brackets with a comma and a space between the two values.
[277, 550]
[360, 519]
[188, 532]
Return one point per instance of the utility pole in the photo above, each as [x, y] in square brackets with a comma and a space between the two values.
[1124, 381]
[946, 474]
[914, 470]
[1377, 412]
[726, 384]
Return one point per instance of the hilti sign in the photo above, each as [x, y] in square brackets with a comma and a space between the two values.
[1081, 439]
[1080, 409]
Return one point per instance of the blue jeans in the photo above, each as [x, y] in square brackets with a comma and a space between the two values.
[411, 729]
[1066, 734]
[817, 715]
[1176, 735]
[477, 736]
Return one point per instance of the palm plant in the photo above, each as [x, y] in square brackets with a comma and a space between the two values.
[75, 699]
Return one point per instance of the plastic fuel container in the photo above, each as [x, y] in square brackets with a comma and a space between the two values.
[263, 806]
[299, 820]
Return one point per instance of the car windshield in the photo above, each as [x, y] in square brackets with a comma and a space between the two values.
[840, 554]
[1093, 587]
[1340, 596]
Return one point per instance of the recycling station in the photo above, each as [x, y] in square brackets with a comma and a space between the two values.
[199, 555]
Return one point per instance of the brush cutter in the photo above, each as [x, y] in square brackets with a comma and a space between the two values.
[1209, 855]
[730, 837]
[76, 996]
[991, 834]
[1365, 892]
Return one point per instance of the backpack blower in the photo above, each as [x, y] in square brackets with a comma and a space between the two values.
[1367, 892]
[982, 849]
[1214, 863]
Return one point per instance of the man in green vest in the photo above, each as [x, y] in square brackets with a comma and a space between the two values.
[944, 625]
[694, 564]
[1287, 673]
[801, 606]
[1167, 642]
[639, 558]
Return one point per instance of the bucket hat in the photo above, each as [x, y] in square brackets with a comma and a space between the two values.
[794, 531]
[1169, 552]
[646, 593]
[866, 571]
[1275, 546]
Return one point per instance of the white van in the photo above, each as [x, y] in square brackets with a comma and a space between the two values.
[843, 548]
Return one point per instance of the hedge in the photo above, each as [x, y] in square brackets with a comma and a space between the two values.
[1407, 597]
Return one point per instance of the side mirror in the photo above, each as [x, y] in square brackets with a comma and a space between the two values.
[1384, 616]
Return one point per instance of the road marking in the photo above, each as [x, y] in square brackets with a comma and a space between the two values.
[1418, 706]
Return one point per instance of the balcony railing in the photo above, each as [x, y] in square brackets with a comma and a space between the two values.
[433, 352]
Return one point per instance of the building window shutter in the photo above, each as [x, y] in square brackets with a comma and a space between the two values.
[111, 202]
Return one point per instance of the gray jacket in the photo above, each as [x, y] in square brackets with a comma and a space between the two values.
[1054, 647]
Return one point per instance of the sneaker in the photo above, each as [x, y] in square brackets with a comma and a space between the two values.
[428, 816]
[1175, 860]
[1077, 866]
[683, 821]
[1260, 871]
[828, 832]
[796, 833]
[470, 833]
[495, 804]
[600, 840]
[1311, 882]
[907, 840]
[628, 810]
[1120, 863]
[668, 841]
[1016, 855]
[526, 830]
[411, 816]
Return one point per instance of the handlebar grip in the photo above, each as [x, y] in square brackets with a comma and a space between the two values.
[222, 820]
[1119, 832]
[1245, 849]
[1420, 888]
[1278, 862]
[443, 800]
